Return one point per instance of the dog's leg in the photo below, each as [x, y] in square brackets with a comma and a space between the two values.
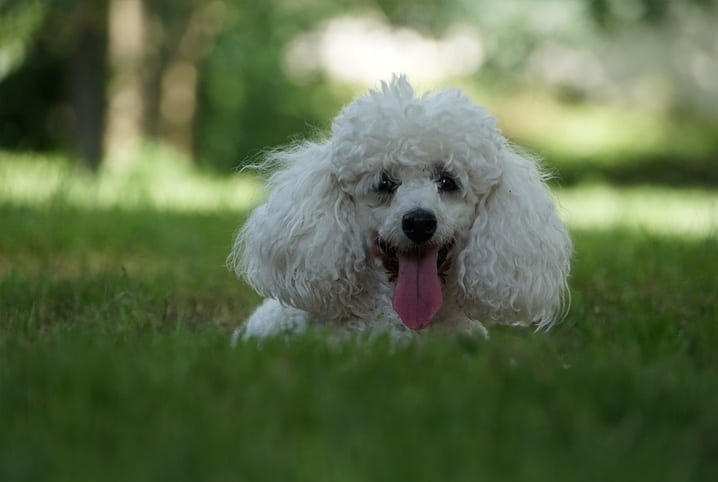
[269, 319]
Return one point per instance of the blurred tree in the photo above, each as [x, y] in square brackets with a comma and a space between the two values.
[247, 102]
[155, 48]
[19, 22]
[609, 13]
[184, 33]
[55, 95]
[127, 48]
[207, 76]
[86, 77]
[29, 87]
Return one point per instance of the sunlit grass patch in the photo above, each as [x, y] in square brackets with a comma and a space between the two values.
[157, 182]
[583, 139]
[163, 184]
[657, 210]
[605, 133]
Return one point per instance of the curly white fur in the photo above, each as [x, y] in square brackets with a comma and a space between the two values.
[311, 249]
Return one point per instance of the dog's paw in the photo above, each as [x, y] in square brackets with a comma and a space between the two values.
[478, 328]
[270, 319]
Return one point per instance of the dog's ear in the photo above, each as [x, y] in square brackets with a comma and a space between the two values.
[302, 246]
[516, 262]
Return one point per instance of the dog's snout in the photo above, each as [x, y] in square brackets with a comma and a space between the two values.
[419, 225]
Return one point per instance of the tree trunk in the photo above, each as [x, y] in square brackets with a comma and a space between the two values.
[86, 79]
[127, 101]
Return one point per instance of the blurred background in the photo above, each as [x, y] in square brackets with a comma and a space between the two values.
[618, 89]
[619, 93]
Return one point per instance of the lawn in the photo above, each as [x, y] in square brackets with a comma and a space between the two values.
[115, 362]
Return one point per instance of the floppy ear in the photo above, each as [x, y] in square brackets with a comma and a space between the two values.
[302, 246]
[516, 262]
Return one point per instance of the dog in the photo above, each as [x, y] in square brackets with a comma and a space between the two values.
[414, 215]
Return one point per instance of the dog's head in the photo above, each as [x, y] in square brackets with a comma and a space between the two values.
[430, 188]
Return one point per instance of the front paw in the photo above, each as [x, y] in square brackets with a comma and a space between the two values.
[270, 319]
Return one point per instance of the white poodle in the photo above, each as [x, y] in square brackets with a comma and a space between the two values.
[416, 213]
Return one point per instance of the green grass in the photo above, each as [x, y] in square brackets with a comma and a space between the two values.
[115, 363]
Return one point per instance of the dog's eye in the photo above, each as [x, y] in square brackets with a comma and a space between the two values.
[386, 185]
[447, 184]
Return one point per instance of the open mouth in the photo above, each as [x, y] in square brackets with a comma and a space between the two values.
[418, 273]
[389, 255]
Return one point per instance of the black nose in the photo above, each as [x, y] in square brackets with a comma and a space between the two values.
[419, 225]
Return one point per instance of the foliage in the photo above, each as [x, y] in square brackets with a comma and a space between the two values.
[244, 100]
[17, 27]
[610, 13]
[589, 141]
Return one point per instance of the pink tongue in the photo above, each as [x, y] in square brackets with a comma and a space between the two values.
[417, 296]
